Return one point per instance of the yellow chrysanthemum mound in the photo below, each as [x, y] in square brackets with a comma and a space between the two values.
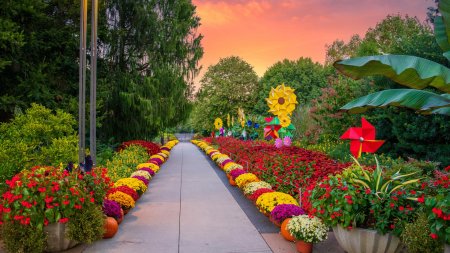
[209, 151]
[222, 159]
[245, 178]
[217, 156]
[152, 166]
[167, 153]
[162, 158]
[269, 200]
[282, 100]
[124, 200]
[134, 183]
[231, 166]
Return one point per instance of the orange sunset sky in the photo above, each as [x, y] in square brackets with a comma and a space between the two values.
[263, 32]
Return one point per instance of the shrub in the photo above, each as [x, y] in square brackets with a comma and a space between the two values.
[19, 238]
[37, 137]
[87, 225]
[416, 237]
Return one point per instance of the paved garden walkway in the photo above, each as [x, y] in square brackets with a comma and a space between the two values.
[187, 209]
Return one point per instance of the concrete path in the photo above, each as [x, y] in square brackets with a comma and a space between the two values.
[187, 209]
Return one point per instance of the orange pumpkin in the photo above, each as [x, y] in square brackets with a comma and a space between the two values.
[285, 232]
[111, 227]
[232, 182]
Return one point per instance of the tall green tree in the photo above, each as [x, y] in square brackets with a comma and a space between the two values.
[38, 54]
[153, 56]
[225, 87]
[304, 75]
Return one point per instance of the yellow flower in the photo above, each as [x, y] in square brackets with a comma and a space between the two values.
[134, 183]
[125, 200]
[285, 120]
[141, 173]
[282, 100]
[269, 200]
[218, 123]
[246, 178]
[152, 166]
[251, 187]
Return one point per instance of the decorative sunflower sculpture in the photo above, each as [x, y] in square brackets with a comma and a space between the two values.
[285, 120]
[282, 100]
[218, 123]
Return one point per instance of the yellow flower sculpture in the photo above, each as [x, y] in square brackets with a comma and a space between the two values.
[218, 123]
[282, 100]
[285, 120]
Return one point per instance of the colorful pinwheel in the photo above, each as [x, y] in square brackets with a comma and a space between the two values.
[362, 139]
[271, 128]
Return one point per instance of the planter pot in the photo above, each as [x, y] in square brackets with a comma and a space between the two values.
[447, 248]
[304, 247]
[365, 240]
[232, 182]
[56, 238]
[285, 232]
[276, 223]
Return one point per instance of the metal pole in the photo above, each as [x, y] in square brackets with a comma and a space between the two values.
[93, 91]
[82, 83]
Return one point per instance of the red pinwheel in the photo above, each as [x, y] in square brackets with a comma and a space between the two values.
[272, 127]
[362, 139]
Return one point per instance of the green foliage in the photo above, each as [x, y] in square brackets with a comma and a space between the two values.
[303, 75]
[153, 57]
[225, 87]
[123, 163]
[416, 237]
[87, 225]
[23, 239]
[38, 137]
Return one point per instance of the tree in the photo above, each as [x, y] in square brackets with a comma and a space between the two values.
[153, 56]
[225, 87]
[339, 50]
[303, 75]
[38, 52]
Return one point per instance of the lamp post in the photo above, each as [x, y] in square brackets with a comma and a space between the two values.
[82, 83]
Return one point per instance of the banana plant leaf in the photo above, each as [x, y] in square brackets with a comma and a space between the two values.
[441, 36]
[444, 9]
[411, 71]
[422, 101]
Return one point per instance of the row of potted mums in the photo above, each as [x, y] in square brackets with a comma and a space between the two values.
[281, 208]
[366, 207]
[124, 193]
[52, 209]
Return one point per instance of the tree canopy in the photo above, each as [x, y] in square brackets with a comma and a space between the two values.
[230, 84]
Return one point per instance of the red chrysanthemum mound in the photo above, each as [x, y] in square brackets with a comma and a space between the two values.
[151, 147]
[258, 193]
[125, 189]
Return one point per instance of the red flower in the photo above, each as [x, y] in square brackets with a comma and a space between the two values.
[26, 204]
[421, 199]
[437, 211]
[392, 205]
[434, 236]
[77, 206]
[42, 189]
[368, 191]
[63, 220]
[45, 222]
[401, 208]
[66, 202]
[48, 199]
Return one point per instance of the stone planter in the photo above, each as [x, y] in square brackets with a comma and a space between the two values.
[447, 248]
[365, 240]
[56, 238]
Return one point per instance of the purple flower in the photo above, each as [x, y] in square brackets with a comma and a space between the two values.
[156, 161]
[143, 179]
[165, 148]
[278, 143]
[152, 173]
[112, 209]
[287, 141]
[226, 161]
[284, 211]
[236, 172]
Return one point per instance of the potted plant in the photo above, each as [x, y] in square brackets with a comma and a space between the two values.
[362, 203]
[284, 211]
[307, 229]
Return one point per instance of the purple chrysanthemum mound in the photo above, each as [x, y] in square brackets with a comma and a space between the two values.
[284, 211]
[152, 173]
[143, 179]
[236, 173]
[226, 161]
[112, 209]
[156, 161]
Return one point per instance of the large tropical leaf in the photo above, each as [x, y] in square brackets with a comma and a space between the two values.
[419, 100]
[444, 9]
[441, 36]
[411, 71]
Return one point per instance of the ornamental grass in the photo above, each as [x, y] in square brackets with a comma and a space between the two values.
[245, 178]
